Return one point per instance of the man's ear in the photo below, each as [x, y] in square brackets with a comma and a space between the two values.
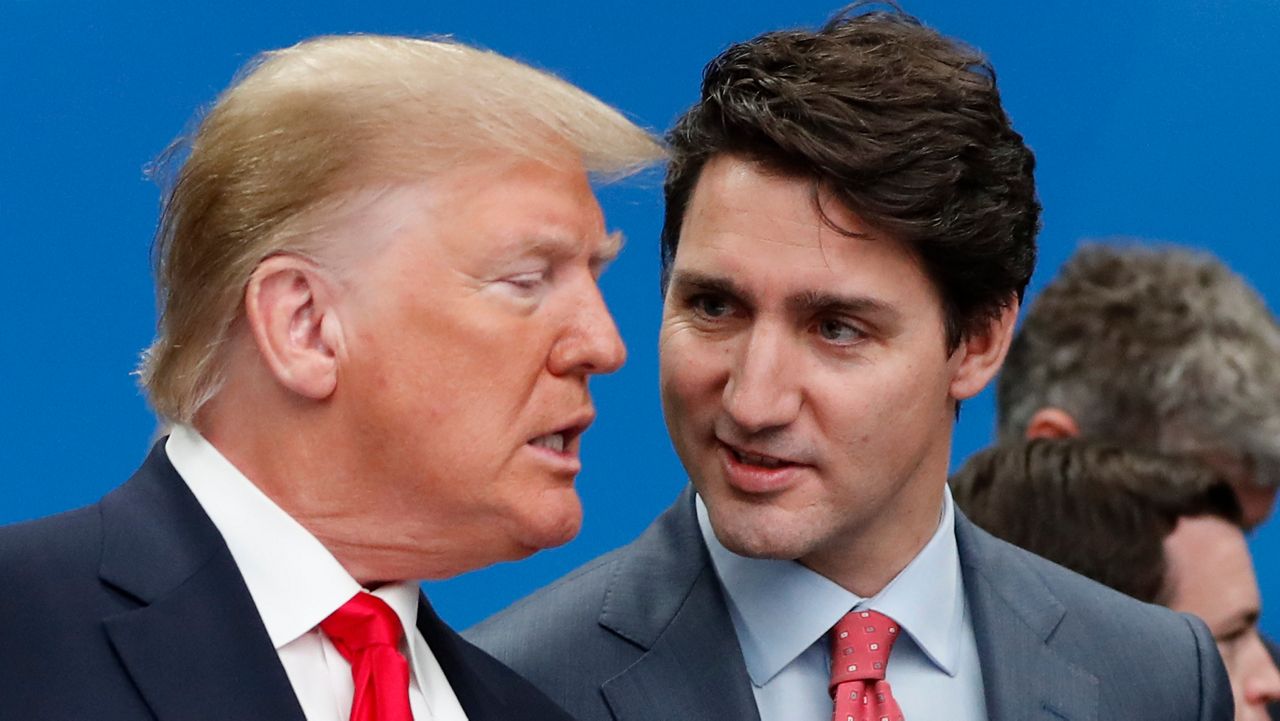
[1050, 422]
[289, 305]
[981, 353]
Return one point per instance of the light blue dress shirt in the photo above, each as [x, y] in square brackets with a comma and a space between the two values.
[782, 613]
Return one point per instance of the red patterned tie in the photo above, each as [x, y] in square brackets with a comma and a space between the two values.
[860, 646]
[367, 633]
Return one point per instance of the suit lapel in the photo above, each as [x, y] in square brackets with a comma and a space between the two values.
[1014, 617]
[486, 689]
[480, 697]
[195, 645]
[666, 599]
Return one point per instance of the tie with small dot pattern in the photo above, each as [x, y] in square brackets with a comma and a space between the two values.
[860, 646]
[367, 633]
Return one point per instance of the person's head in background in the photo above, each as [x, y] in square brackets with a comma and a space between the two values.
[1157, 347]
[1163, 529]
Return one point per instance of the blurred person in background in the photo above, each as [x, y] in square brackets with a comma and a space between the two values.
[1161, 529]
[1158, 348]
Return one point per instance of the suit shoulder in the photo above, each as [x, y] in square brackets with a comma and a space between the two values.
[47, 568]
[573, 600]
[67, 539]
[554, 638]
[1104, 607]
[1154, 662]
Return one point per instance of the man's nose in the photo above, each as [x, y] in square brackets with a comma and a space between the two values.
[590, 344]
[762, 390]
[1262, 683]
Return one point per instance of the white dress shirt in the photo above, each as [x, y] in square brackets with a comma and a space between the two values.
[782, 613]
[296, 583]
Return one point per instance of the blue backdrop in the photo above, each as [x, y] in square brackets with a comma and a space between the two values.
[1150, 118]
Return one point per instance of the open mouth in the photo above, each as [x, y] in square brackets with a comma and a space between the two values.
[562, 441]
[757, 459]
[753, 472]
[552, 441]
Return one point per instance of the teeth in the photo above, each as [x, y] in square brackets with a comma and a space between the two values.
[554, 441]
[763, 461]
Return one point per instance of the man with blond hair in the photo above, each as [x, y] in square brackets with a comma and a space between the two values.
[362, 228]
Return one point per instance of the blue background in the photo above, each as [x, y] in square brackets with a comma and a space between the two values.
[1153, 119]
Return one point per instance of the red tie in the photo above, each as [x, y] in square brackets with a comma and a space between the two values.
[367, 633]
[860, 646]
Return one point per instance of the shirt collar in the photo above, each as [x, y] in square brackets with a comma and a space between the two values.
[294, 580]
[780, 608]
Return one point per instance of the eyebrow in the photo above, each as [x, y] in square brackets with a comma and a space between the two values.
[813, 302]
[707, 282]
[807, 303]
[556, 245]
[610, 247]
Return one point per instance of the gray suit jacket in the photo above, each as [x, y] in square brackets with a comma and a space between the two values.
[629, 636]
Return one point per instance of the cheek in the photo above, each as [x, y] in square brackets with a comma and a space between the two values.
[1230, 659]
[688, 383]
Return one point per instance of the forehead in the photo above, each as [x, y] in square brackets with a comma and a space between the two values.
[774, 233]
[505, 191]
[487, 208]
[1209, 569]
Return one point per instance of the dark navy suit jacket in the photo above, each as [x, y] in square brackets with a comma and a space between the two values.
[134, 609]
[643, 633]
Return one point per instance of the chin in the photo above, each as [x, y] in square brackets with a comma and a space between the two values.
[552, 520]
[757, 535]
[756, 545]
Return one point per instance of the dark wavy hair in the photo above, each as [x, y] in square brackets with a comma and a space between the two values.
[900, 124]
[1103, 511]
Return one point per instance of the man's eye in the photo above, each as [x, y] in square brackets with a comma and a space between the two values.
[1230, 637]
[526, 282]
[839, 332]
[709, 306]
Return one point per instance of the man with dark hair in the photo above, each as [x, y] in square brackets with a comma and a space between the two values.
[850, 225]
[1161, 529]
[1160, 348]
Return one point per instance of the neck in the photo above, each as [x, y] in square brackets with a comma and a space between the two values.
[307, 462]
[880, 549]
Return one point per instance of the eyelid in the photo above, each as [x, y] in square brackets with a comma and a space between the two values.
[858, 329]
[527, 280]
[695, 297]
[1234, 635]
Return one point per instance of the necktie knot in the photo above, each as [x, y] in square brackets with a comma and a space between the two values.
[860, 646]
[362, 622]
[367, 633]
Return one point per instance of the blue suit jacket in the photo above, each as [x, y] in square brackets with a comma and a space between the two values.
[134, 609]
[631, 636]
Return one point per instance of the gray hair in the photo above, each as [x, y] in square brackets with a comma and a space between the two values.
[1162, 348]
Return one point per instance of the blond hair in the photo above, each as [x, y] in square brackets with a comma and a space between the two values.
[303, 127]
